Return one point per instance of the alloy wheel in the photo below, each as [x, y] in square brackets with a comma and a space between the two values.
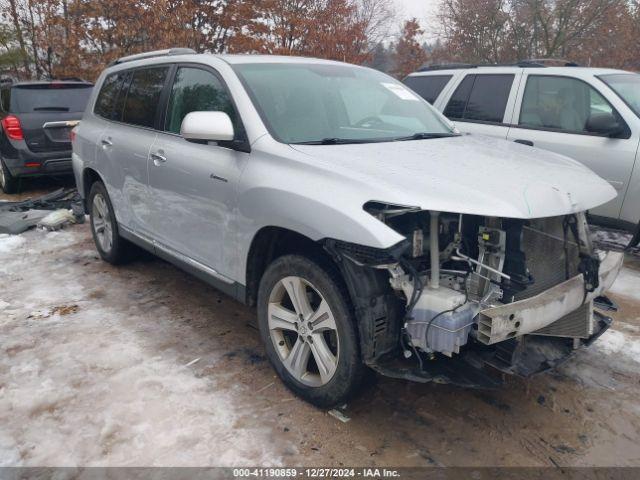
[101, 222]
[303, 330]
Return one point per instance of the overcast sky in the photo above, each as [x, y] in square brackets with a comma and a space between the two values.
[423, 10]
[416, 8]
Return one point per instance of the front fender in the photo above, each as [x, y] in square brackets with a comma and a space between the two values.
[311, 217]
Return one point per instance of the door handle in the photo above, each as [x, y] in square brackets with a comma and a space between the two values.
[524, 142]
[158, 159]
[106, 142]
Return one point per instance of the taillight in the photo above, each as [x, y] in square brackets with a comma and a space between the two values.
[72, 134]
[11, 126]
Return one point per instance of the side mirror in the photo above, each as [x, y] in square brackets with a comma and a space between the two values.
[207, 126]
[604, 123]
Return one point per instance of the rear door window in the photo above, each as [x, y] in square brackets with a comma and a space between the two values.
[50, 97]
[428, 87]
[481, 98]
[143, 96]
[195, 89]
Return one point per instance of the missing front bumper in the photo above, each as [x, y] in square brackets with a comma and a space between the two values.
[489, 367]
[530, 315]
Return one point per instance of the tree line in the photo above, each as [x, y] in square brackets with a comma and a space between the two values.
[77, 38]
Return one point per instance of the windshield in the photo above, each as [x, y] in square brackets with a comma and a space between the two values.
[627, 86]
[324, 103]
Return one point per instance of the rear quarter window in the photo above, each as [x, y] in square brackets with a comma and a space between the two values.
[428, 87]
[53, 97]
[106, 101]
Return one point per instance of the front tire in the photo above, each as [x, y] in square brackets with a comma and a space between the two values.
[308, 330]
[8, 182]
[111, 247]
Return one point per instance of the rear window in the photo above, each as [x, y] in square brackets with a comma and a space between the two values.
[481, 97]
[428, 87]
[53, 97]
[143, 96]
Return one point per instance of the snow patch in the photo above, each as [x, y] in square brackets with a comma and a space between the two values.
[105, 378]
[627, 284]
[9, 243]
[614, 342]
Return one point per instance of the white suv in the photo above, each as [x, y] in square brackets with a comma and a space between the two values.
[363, 227]
[589, 114]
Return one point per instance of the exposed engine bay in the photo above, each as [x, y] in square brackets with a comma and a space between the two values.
[510, 293]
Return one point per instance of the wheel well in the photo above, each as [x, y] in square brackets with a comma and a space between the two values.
[271, 243]
[89, 177]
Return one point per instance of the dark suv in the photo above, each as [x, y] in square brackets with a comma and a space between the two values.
[36, 120]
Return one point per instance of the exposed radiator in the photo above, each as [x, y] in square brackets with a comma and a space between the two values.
[577, 324]
[544, 248]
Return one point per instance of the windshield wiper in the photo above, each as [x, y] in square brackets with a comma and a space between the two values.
[426, 136]
[334, 141]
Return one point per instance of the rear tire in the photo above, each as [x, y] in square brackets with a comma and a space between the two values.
[308, 330]
[110, 245]
[8, 182]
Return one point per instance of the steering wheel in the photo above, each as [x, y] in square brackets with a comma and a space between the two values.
[368, 122]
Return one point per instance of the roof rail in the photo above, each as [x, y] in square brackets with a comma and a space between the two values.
[65, 79]
[561, 62]
[156, 53]
[528, 63]
[457, 66]
[446, 66]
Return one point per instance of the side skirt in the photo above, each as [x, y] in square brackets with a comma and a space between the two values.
[204, 273]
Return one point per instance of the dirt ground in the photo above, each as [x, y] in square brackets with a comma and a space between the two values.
[144, 365]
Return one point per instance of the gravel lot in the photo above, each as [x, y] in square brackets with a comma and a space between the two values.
[145, 365]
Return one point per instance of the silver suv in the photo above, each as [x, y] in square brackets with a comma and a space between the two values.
[366, 230]
[589, 114]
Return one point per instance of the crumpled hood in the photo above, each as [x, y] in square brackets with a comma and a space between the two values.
[470, 174]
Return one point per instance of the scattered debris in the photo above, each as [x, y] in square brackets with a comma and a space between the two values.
[57, 220]
[14, 223]
[339, 414]
[65, 309]
[193, 362]
[265, 387]
[17, 217]
[61, 198]
[611, 239]
[563, 448]
[50, 312]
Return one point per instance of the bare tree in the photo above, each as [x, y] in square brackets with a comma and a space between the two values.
[508, 30]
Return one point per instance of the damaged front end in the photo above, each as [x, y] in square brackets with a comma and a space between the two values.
[464, 297]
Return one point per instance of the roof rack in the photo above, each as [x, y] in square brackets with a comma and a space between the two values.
[529, 63]
[156, 53]
[64, 79]
[446, 66]
[559, 62]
